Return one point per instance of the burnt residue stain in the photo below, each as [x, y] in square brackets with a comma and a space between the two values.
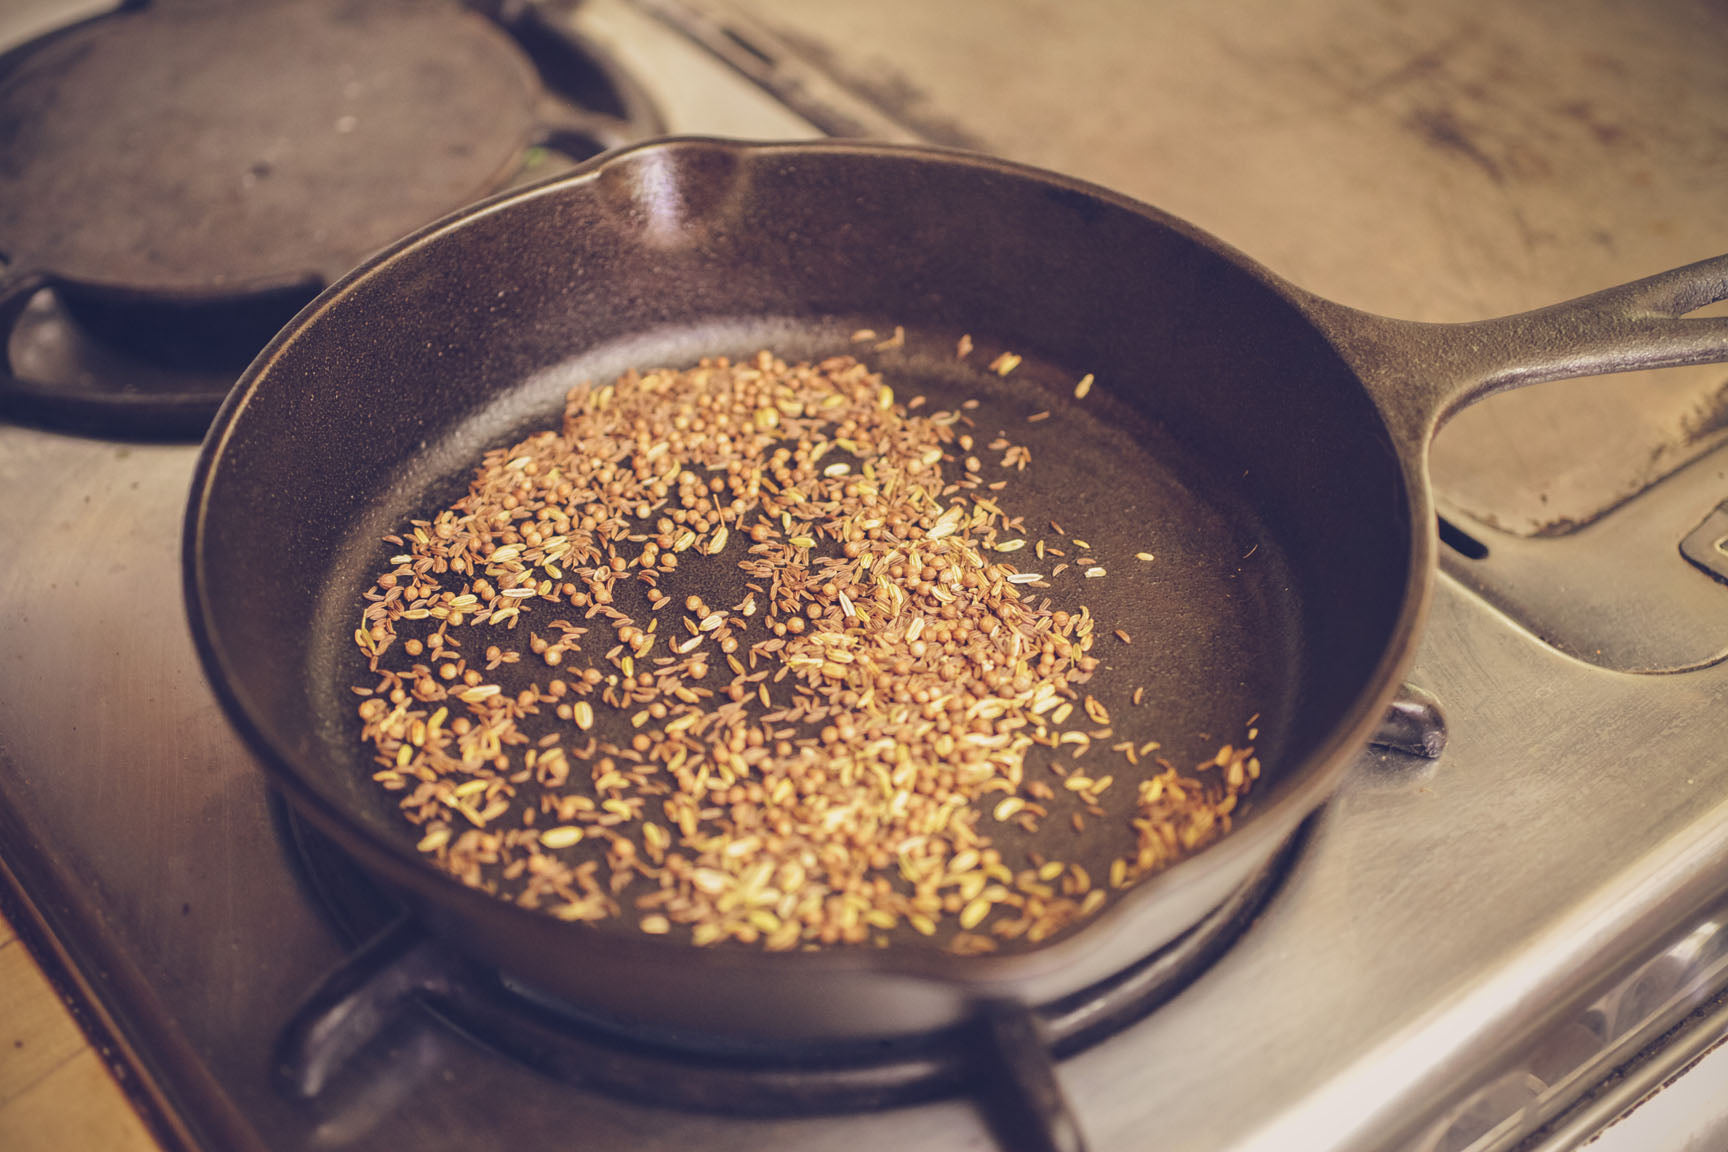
[1708, 418]
[1605, 132]
[886, 89]
[1467, 90]
[1441, 128]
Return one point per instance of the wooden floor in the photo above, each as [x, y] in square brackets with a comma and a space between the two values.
[56, 1094]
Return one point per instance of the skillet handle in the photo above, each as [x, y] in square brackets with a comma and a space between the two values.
[1422, 374]
[73, 406]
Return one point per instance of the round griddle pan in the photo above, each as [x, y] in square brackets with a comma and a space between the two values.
[185, 176]
[1266, 446]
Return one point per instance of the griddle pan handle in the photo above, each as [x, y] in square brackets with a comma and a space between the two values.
[18, 286]
[73, 407]
[1422, 374]
[356, 1003]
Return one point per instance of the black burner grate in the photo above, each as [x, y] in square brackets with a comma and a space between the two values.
[1003, 1058]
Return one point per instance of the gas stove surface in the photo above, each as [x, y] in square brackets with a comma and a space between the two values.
[1462, 951]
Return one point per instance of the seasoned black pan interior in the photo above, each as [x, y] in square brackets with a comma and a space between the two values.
[1224, 435]
[1212, 630]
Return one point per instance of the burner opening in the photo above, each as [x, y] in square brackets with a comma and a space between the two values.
[1461, 541]
[574, 71]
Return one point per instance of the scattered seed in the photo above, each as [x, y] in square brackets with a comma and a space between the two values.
[564, 836]
[703, 805]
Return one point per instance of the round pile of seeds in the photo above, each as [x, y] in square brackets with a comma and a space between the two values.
[741, 653]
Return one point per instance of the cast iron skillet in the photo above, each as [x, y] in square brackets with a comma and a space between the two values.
[1269, 447]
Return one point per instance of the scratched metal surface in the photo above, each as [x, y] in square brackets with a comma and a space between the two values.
[1429, 161]
[1438, 915]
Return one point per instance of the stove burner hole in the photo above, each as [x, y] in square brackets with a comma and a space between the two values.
[1461, 541]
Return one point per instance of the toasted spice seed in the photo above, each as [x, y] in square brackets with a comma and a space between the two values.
[1083, 387]
[564, 836]
[1124, 637]
[583, 713]
[1094, 573]
[1144, 556]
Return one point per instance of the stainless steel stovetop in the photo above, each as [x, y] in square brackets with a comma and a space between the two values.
[1506, 946]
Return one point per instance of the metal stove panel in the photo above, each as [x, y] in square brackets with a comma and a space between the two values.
[1442, 922]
